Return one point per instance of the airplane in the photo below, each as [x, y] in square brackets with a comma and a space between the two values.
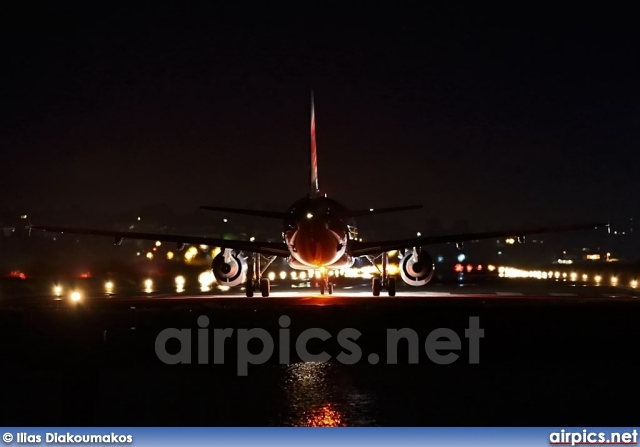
[318, 233]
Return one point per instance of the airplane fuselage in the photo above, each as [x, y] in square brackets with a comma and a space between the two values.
[317, 233]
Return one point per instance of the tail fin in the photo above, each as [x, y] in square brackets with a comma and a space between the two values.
[313, 187]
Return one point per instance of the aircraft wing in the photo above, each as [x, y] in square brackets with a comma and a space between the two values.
[265, 248]
[375, 247]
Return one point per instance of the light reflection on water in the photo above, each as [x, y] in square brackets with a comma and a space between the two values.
[323, 395]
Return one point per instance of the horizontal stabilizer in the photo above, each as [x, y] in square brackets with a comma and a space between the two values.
[270, 214]
[371, 211]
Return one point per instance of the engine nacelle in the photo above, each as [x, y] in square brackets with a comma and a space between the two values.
[416, 272]
[230, 273]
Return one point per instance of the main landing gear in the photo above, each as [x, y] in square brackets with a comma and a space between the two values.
[383, 282]
[255, 270]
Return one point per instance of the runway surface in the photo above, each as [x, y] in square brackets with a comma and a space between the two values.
[552, 353]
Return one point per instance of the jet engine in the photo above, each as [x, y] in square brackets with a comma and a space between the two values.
[416, 267]
[231, 272]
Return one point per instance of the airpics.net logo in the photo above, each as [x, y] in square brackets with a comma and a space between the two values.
[587, 437]
[441, 345]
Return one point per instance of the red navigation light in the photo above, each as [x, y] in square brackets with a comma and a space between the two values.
[17, 274]
[458, 268]
[469, 268]
[480, 267]
[85, 275]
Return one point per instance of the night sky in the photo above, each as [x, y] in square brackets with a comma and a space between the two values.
[501, 117]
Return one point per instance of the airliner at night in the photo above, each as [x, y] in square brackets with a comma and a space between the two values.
[318, 233]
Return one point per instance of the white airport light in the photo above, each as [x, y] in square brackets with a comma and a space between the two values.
[158, 243]
[302, 275]
[225, 220]
[614, 280]
[309, 215]
[418, 234]
[75, 296]
[108, 286]
[634, 283]
[283, 274]
[574, 276]
[461, 257]
[206, 278]
[148, 283]
[252, 239]
[598, 278]
[271, 276]
[149, 255]
[180, 281]
[585, 276]
[57, 290]
[564, 274]
[294, 275]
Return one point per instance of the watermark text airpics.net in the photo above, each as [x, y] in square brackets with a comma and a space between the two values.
[440, 345]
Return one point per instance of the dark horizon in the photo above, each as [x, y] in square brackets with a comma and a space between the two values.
[497, 117]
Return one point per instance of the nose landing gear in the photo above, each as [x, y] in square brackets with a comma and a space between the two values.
[325, 284]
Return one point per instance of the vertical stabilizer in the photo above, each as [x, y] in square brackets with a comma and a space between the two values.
[313, 187]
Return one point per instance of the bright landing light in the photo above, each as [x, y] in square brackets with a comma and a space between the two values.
[75, 296]
[108, 286]
[57, 290]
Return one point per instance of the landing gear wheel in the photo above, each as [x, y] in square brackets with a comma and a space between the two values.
[249, 288]
[376, 286]
[330, 289]
[322, 288]
[391, 286]
[265, 286]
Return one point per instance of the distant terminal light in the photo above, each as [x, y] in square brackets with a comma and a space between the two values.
[491, 267]
[510, 241]
[158, 243]
[461, 257]
[169, 255]
[593, 257]
[440, 259]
